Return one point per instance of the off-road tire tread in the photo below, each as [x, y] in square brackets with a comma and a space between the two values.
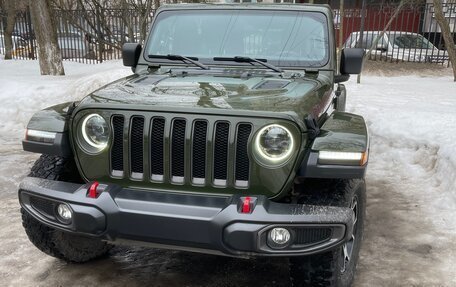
[54, 242]
[40, 235]
[323, 269]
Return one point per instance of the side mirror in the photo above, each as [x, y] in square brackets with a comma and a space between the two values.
[351, 61]
[130, 54]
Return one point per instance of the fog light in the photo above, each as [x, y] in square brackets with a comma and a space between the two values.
[64, 212]
[279, 236]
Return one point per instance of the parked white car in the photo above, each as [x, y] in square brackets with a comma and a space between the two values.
[404, 46]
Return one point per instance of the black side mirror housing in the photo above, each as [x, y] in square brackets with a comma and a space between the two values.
[351, 61]
[130, 54]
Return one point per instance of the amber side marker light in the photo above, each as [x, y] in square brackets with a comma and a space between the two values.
[343, 158]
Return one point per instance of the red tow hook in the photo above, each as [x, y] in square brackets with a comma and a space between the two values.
[247, 204]
[93, 190]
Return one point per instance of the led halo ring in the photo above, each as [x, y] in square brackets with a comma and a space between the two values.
[278, 159]
[86, 137]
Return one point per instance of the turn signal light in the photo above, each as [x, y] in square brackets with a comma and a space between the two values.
[343, 158]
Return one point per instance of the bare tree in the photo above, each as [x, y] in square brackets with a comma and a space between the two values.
[388, 25]
[46, 35]
[144, 7]
[446, 33]
[108, 24]
[9, 7]
[386, 28]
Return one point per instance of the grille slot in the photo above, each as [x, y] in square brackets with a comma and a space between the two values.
[242, 157]
[137, 146]
[157, 141]
[199, 152]
[178, 150]
[311, 235]
[222, 131]
[117, 145]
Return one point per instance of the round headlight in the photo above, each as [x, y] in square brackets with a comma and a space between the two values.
[95, 131]
[274, 143]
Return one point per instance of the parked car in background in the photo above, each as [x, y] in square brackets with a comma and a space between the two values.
[21, 47]
[398, 45]
[73, 45]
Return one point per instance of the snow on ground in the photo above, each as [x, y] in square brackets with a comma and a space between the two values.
[411, 225]
[412, 121]
[410, 236]
[24, 91]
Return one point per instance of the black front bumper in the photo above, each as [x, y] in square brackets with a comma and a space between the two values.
[203, 223]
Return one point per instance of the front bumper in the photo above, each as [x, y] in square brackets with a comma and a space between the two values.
[201, 223]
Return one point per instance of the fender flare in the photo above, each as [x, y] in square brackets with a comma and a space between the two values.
[341, 132]
[53, 120]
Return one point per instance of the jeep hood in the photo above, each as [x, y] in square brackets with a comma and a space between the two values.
[294, 96]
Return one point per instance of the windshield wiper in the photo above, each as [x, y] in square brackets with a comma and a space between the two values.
[241, 59]
[194, 61]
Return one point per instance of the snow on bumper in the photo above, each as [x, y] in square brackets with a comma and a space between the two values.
[202, 223]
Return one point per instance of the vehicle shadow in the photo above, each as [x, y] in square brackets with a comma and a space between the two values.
[137, 266]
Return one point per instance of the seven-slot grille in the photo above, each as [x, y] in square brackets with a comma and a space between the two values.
[180, 150]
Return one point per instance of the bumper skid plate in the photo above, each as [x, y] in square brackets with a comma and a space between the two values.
[193, 222]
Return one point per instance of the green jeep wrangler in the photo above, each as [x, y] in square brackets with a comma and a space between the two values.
[230, 138]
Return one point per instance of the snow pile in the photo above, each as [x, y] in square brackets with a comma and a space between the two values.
[412, 121]
[411, 180]
[24, 91]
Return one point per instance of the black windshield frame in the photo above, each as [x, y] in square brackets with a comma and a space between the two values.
[323, 18]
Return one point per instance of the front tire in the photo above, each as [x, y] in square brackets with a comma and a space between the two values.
[336, 267]
[56, 243]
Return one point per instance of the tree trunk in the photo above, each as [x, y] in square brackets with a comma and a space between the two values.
[361, 35]
[49, 54]
[341, 32]
[446, 33]
[9, 7]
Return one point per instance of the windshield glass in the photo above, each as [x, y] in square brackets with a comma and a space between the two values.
[410, 42]
[283, 38]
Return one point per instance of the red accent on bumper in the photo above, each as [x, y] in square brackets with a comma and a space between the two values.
[93, 190]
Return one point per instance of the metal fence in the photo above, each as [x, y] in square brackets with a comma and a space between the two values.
[87, 36]
[92, 36]
[413, 36]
